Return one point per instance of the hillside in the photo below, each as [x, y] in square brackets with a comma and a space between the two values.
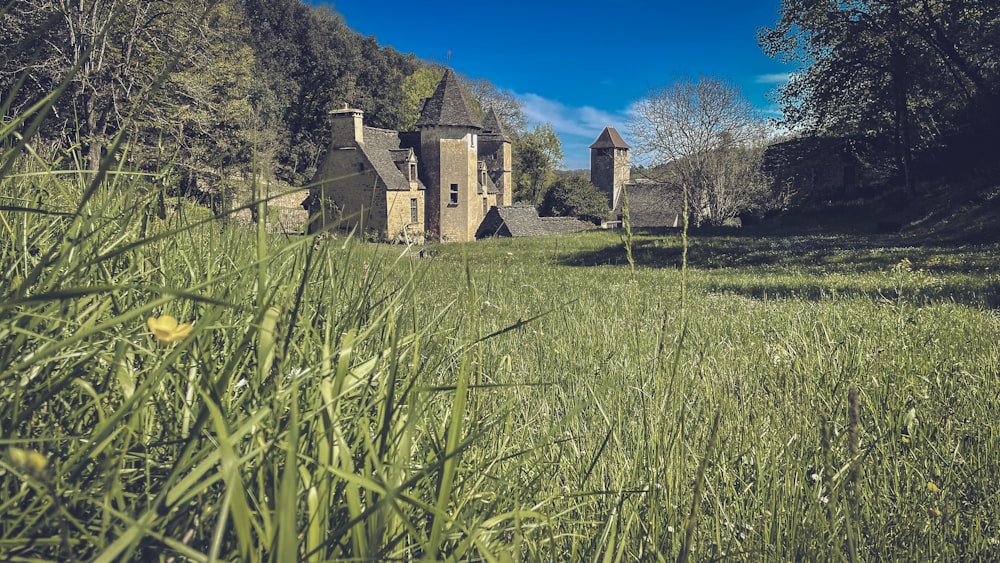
[954, 212]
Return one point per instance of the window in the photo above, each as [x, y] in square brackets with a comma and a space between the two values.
[413, 210]
[413, 171]
[472, 141]
[486, 206]
[454, 195]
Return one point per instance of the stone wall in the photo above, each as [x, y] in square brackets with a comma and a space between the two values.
[448, 156]
[351, 191]
[609, 171]
[400, 227]
[496, 153]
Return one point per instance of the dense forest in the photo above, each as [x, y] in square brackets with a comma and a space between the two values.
[206, 92]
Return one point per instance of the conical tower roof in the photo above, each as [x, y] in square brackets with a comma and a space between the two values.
[609, 139]
[492, 126]
[448, 105]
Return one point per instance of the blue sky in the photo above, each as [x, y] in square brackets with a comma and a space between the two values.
[579, 65]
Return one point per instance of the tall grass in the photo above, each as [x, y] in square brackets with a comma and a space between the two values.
[340, 400]
[300, 419]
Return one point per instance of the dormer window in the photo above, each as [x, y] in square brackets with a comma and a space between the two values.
[413, 171]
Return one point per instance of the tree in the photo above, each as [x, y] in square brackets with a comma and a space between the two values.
[207, 105]
[114, 51]
[416, 87]
[311, 63]
[166, 73]
[575, 196]
[509, 110]
[909, 70]
[537, 154]
[705, 137]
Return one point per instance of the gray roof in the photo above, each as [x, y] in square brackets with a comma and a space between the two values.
[448, 105]
[523, 221]
[492, 127]
[609, 139]
[651, 204]
[379, 148]
[400, 155]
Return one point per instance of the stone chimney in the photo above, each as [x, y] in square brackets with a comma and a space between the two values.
[348, 127]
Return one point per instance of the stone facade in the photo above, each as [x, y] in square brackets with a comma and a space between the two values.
[651, 204]
[497, 159]
[609, 165]
[367, 182]
[814, 169]
[442, 179]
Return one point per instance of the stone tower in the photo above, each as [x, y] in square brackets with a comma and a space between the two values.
[495, 151]
[449, 163]
[609, 166]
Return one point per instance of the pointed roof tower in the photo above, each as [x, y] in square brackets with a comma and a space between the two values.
[492, 126]
[609, 139]
[447, 106]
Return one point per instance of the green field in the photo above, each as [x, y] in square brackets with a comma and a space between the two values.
[821, 397]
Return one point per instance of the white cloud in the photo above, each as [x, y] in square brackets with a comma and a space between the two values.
[576, 127]
[775, 78]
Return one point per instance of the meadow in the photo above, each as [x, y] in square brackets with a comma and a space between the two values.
[821, 397]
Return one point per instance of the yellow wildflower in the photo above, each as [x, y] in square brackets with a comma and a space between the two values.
[29, 461]
[906, 439]
[932, 487]
[166, 329]
[36, 462]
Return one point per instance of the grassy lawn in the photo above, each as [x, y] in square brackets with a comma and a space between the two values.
[809, 397]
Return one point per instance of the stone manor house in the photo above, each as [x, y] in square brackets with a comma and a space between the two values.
[451, 179]
[441, 179]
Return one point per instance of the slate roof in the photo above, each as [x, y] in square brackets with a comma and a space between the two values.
[493, 128]
[523, 221]
[400, 155]
[610, 139]
[380, 148]
[448, 105]
[651, 204]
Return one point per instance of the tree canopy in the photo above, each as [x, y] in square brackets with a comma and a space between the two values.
[914, 71]
[574, 196]
[705, 137]
[311, 62]
[537, 155]
[226, 82]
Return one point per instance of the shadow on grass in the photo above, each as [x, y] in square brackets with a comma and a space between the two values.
[985, 295]
[820, 254]
[879, 267]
